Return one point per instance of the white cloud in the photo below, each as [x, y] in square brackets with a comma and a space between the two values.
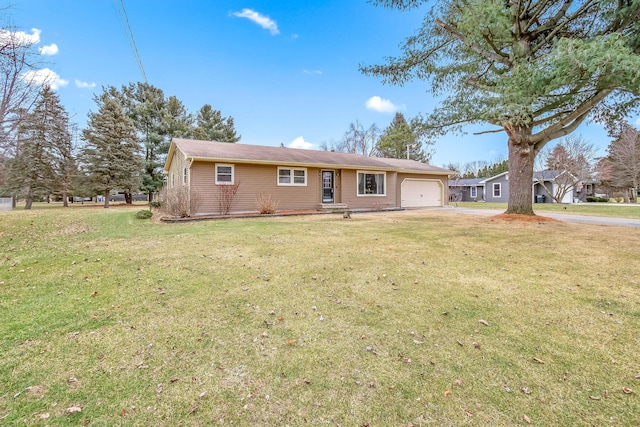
[380, 105]
[85, 85]
[299, 142]
[264, 21]
[638, 121]
[44, 76]
[20, 36]
[49, 50]
[312, 72]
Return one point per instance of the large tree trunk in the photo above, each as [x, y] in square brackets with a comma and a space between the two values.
[151, 196]
[128, 198]
[521, 159]
[106, 199]
[28, 200]
[65, 199]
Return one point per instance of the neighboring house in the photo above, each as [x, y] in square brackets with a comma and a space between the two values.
[555, 182]
[496, 188]
[300, 179]
[466, 190]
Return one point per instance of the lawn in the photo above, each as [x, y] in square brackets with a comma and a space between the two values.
[615, 210]
[386, 319]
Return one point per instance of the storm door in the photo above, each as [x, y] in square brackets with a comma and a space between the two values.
[327, 186]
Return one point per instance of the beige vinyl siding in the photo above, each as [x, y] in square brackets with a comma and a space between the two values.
[403, 176]
[178, 163]
[254, 180]
[349, 191]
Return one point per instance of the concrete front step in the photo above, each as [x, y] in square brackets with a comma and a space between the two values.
[334, 207]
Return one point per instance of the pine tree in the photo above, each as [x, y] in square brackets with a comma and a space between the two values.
[211, 126]
[111, 155]
[42, 155]
[400, 137]
[533, 70]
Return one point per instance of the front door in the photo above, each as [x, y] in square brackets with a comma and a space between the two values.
[327, 187]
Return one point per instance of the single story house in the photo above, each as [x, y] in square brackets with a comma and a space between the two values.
[496, 188]
[466, 190]
[300, 179]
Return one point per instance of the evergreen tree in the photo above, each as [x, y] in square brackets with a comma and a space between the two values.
[400, 137]
[42, 154]
[156, 119]
[111, 155]
[534, 70]
[212, 126]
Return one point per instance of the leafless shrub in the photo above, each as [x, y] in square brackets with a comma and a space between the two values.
[227, 197]
[180, 201]
[267, 204]
[377, 207]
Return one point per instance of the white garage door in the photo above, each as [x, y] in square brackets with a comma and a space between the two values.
[415, 193]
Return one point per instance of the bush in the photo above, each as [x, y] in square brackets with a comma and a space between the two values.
[179, 202]
[227, 197]
[267, 204]
[597, 199]
[144, 214]
[154, 204]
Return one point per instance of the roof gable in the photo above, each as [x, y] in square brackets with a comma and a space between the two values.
[258, 154]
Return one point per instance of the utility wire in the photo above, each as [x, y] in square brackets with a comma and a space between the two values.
[124, 21]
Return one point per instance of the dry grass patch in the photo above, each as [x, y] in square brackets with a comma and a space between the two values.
[318, 320]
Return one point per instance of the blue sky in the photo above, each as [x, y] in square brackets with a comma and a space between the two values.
[286, 71]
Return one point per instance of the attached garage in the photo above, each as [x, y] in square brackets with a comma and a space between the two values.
[418, 193]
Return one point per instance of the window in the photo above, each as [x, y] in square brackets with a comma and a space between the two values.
[292, 176]
[371, 183]
[184, 175]
[173, 179]
[474, 192]
[224, 174]
[497, 190]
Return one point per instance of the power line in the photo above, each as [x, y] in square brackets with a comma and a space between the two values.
[124, 21]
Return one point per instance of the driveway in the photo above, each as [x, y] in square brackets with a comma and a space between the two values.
[597, 220]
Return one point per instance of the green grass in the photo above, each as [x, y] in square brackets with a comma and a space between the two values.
[316, 321]
[617, 210]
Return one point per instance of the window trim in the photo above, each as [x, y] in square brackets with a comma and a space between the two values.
[225, 165]
[473, 192]
[292, 176]
[498, 186]
[365, 172]
[184, 176]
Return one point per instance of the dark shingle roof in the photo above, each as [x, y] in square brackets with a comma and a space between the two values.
[467, 182]
[213, 150]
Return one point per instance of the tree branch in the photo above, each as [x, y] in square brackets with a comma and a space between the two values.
[492, 56]
[489, 131]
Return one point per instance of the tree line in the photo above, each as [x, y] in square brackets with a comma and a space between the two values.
[122, 148]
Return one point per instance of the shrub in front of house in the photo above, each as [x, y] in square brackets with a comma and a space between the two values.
[144, 214]
[267, 204]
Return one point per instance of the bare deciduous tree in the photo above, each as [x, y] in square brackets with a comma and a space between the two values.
[570, 161]
[18, 84]
[621, 168]
[359, 140]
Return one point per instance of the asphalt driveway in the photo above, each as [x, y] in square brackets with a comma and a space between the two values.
[598, 220]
